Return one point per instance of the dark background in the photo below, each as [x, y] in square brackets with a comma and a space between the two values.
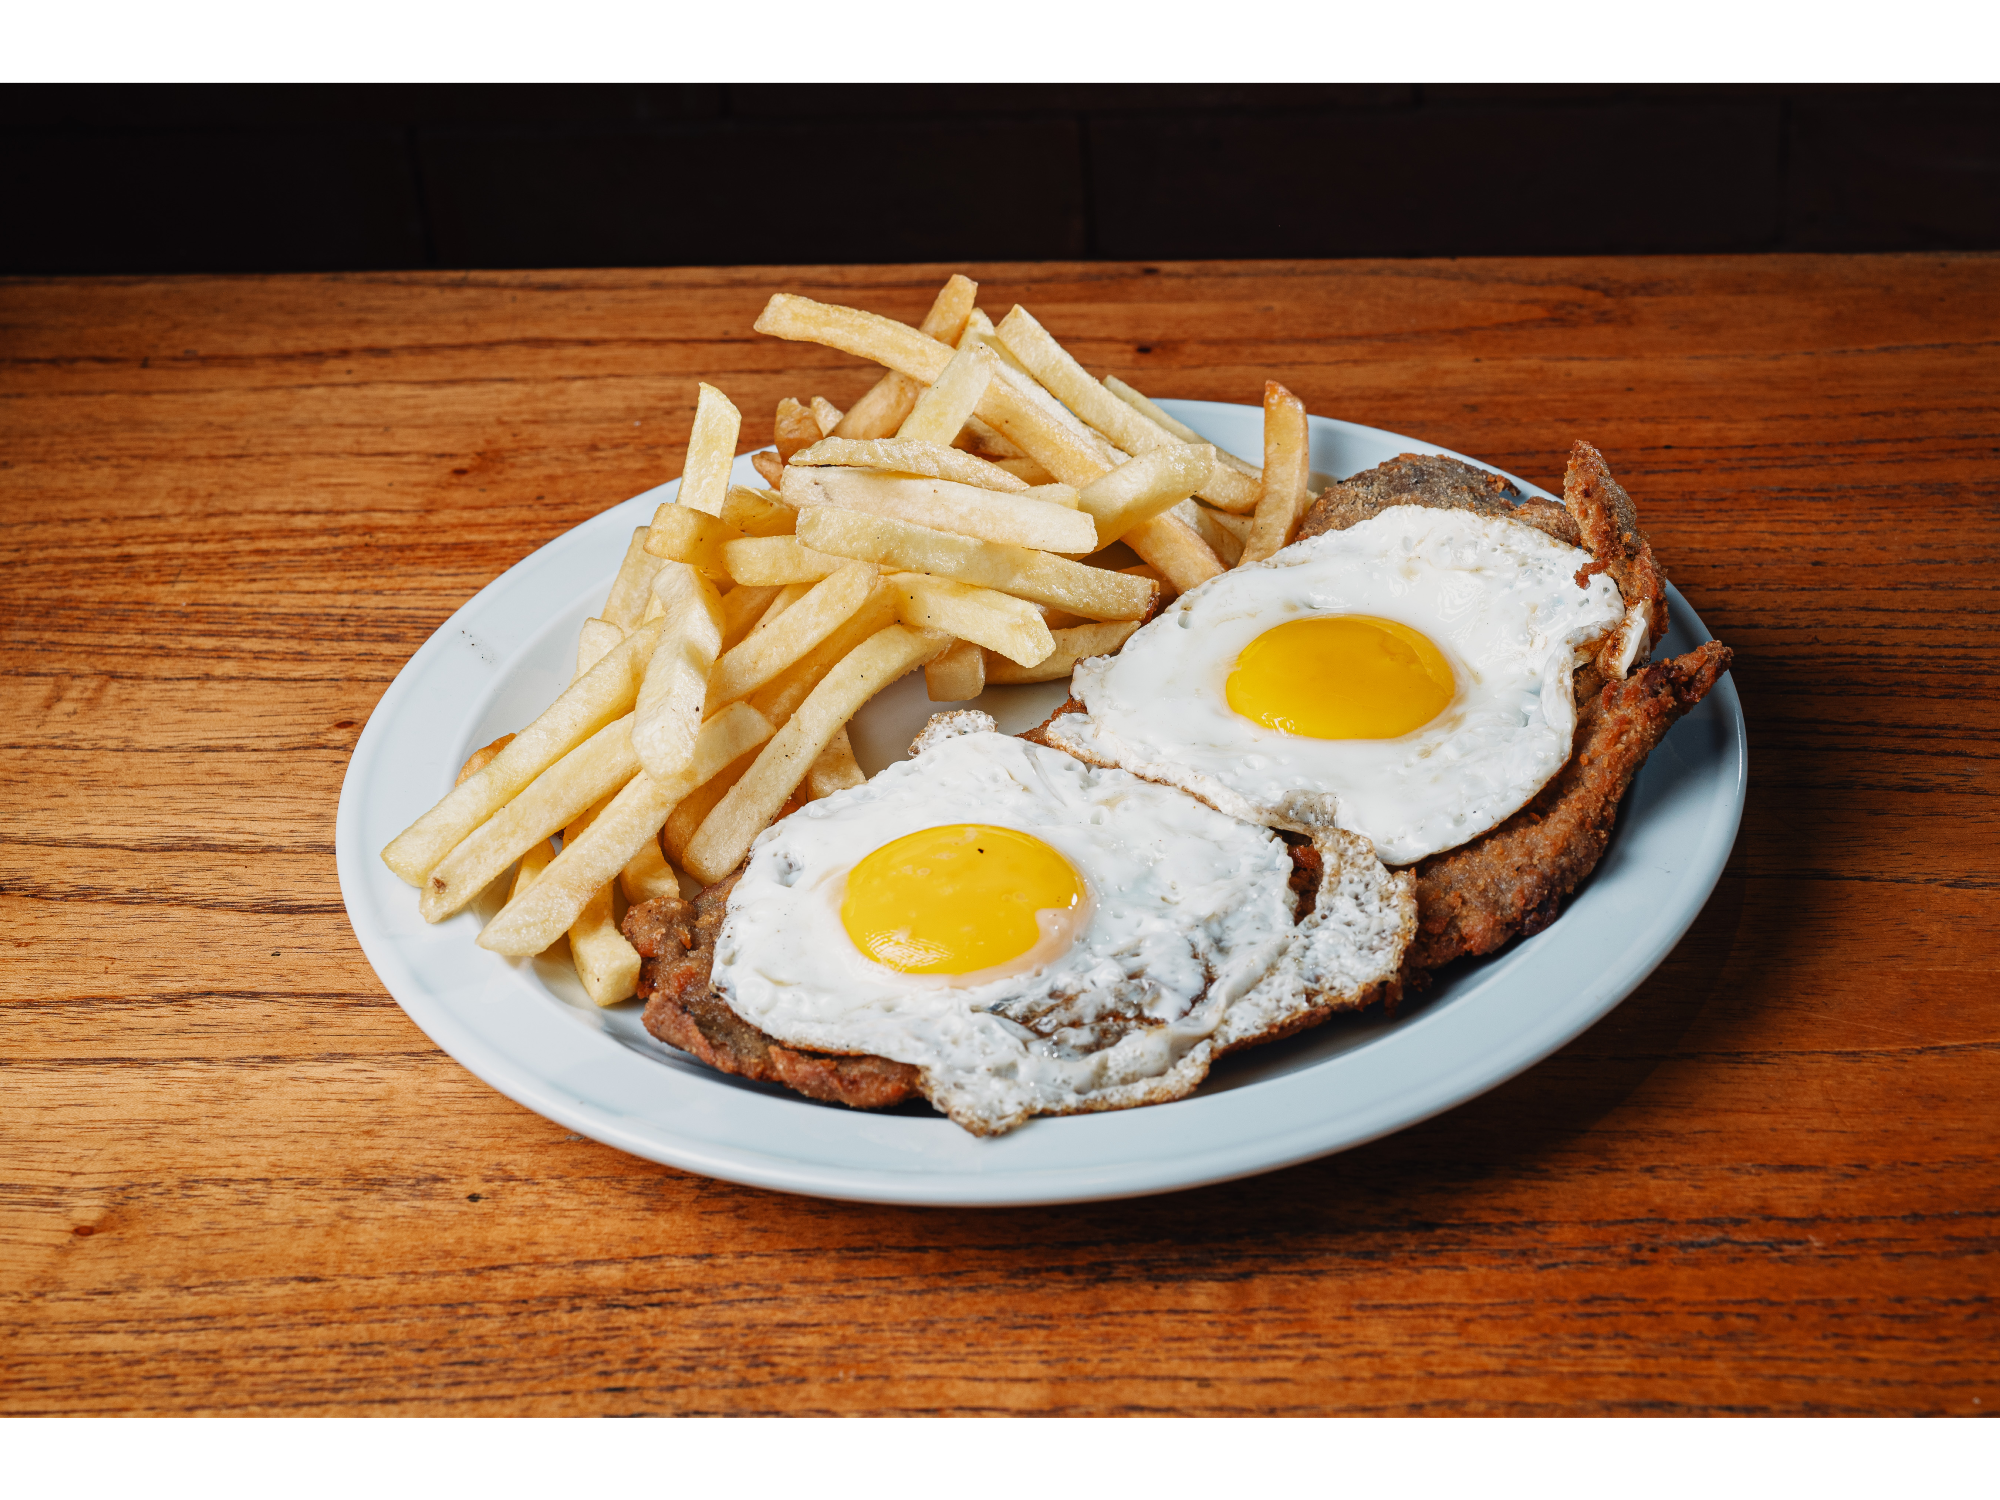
[289, 178]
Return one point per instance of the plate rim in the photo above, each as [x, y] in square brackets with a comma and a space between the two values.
[1167, 1171]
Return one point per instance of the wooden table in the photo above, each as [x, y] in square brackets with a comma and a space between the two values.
[237, 1179]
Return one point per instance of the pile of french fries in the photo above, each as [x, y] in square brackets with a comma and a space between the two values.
[947, 520]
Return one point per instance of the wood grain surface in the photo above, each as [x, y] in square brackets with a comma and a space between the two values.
[237, 1179]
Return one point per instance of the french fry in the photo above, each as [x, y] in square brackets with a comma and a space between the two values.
[692, 537]
[1186, 434]
[1072, 646]
[1095, 593]
[726, 834]
[632, 589]
[605, 962]
[711, 451]
[1222, 540]
[1287, 473]
[534, 919]
[485, 755]
[1174, 547]
[669, 715]
[1120, 421]
[532, 864]
[905, 456]
[742, 608]
[769, 465]
[1144, 487]
[958, 674]
[602, 694]
[941, 411]
[690, 810]
[781, 601]
[793, 428]
[780, 698]
[942, 505]
[596, 638]
[884, 406]
[590, 773]
[836, 770]
[826, 415]
[757, 512]
[1236, 526]
[647, 875]
[1024, 469]
[1012, 627]
[764, 560]
[766, 653]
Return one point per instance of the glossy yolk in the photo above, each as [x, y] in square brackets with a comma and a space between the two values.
[1341, 677]
[955, 899]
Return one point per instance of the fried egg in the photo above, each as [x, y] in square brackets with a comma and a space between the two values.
[1041, 936]
[1407, 679]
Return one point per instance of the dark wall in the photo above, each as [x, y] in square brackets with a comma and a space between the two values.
[159, 178]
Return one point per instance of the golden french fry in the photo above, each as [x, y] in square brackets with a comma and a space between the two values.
[588, 774]
[647, 875]
[1071, 647]
[1217, 538]
[781, 601]
[726, 834]
[1237, 503]
[532, 921]
[957, 674]
[742, 608]
[632, 589]
[532, 864]
[793, 428]
[941, 411]
[1095, 593]
[904, 456]
[836, 770]
[769, 465]
[485, 755]
[711, 451]
[763, 560]
[1024, 469]
[1013, 627]
[962, 509]
[605, 962]
[1120, 421]
[826, 415]
[1287, 473]
[669, 715]
[1236, 526]
[602, 694]
[691, 537]
[1144, 487]
[689, 812]
[780, 698]
[1176, 549]
[765, 653]
[596, 638]
[757, 512]
[882, 409]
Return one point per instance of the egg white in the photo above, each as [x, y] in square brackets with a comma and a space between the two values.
[1497, 597]
[1190, 913]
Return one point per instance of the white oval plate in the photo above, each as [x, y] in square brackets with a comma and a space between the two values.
[526, 1028]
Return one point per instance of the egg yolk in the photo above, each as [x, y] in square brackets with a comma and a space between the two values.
[1341, 677]
[955, 899]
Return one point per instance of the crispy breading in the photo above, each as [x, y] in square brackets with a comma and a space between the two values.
[1512, 881]
[1436, 483]
[676, 944]
[1608, 523]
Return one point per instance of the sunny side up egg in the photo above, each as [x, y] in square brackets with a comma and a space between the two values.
[1040, 936]
[1407, 679]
